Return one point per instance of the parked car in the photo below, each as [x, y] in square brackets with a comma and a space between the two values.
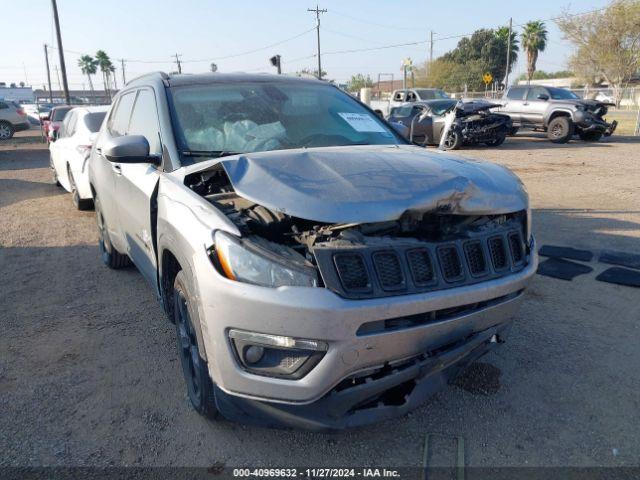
[52, 122]
[472, 123]
[12, 119]
[321, 271]
[559, 112]
[400, 97]
[69, 152]
[36, 111]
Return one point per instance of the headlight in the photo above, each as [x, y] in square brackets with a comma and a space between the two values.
[263, 263]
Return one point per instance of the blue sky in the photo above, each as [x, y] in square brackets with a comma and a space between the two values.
[209, 30]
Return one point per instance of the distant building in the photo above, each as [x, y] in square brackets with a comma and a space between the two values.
[17, 94]
[95, 97]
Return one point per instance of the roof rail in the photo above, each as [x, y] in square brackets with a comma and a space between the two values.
[163, 75]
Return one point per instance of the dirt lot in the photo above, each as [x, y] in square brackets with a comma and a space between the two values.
[89, 373]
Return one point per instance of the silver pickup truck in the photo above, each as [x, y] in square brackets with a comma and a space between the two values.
[321, 271]
[559, 112]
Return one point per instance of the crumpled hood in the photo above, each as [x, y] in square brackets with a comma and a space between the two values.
[366, 184]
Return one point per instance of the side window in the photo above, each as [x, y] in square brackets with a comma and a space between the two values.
[515, 93]
[411, 97]
[399, 96]
[64, 129]
[119, 119]
[533, 93]
[71, 124]
[144, 120]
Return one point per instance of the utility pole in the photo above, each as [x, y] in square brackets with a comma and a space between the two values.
[506, 77]
[431, 46]
[124, 78]
[317, 11]
[178, 62]
[63, 66]
[58, 77]
[46, 59]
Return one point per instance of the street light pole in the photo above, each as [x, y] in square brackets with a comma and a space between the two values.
[506, 77]
[317, 11]
[63, 66]
[46, 59]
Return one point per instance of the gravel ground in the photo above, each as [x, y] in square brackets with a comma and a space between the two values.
[89, 373]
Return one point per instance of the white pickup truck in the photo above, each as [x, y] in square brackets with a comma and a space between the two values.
[399, 97]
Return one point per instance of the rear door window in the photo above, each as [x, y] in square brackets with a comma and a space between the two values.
[516, 93]
[93, 121]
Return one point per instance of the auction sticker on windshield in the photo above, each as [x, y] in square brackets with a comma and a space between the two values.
[362, 122]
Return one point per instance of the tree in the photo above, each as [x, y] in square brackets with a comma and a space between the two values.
[106, 67]
[308, 72]
[534, 41]
[502, 34]
[358, 81]
[484, 51]
[607, 44]
[89, 66]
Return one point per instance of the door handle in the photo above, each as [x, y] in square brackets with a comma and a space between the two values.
[525, 103]
[99, 150]
[117, 169]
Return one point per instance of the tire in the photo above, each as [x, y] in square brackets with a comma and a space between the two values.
[453, 140]
[513, 131]
[590, 136]
[6, 130]
[110, 256]
[497, 141]
[194, 368]
[80, 203]
[54, 174]
[560, 130]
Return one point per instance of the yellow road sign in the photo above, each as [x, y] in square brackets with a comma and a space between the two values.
[486, 78]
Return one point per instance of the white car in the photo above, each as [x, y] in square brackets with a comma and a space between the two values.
[70, 149]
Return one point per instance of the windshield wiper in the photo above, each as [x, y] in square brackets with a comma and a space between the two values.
[208, 153]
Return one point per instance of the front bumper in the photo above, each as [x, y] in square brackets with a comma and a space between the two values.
[370, 397]
[590, 123]
[319, 314]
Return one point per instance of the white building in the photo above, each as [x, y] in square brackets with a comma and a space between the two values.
[18, 94]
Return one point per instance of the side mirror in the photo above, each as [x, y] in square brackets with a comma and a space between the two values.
[53, 135]
[543, 96]
[400, 128]
[129, 149]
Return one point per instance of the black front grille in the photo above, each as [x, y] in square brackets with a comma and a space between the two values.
[404, 266]
[389, 270]
[475, 258]
[352, 271]
[516, 248]
[498, 253]
[421, 266]
[450, 263]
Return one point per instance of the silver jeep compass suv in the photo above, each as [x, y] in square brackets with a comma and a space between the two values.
[321, 271]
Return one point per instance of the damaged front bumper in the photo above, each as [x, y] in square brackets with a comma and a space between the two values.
[366, 374]
[587, 122]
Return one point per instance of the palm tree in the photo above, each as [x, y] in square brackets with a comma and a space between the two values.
[89, 66]
[106, 67]
[503, 34]
[534, 41]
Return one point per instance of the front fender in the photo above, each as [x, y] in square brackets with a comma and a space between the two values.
[551, 112]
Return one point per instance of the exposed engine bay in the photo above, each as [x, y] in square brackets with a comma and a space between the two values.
[348, 254]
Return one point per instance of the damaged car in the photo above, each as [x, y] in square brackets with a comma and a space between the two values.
[452, 123]
[321, 271]
[558, 112]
